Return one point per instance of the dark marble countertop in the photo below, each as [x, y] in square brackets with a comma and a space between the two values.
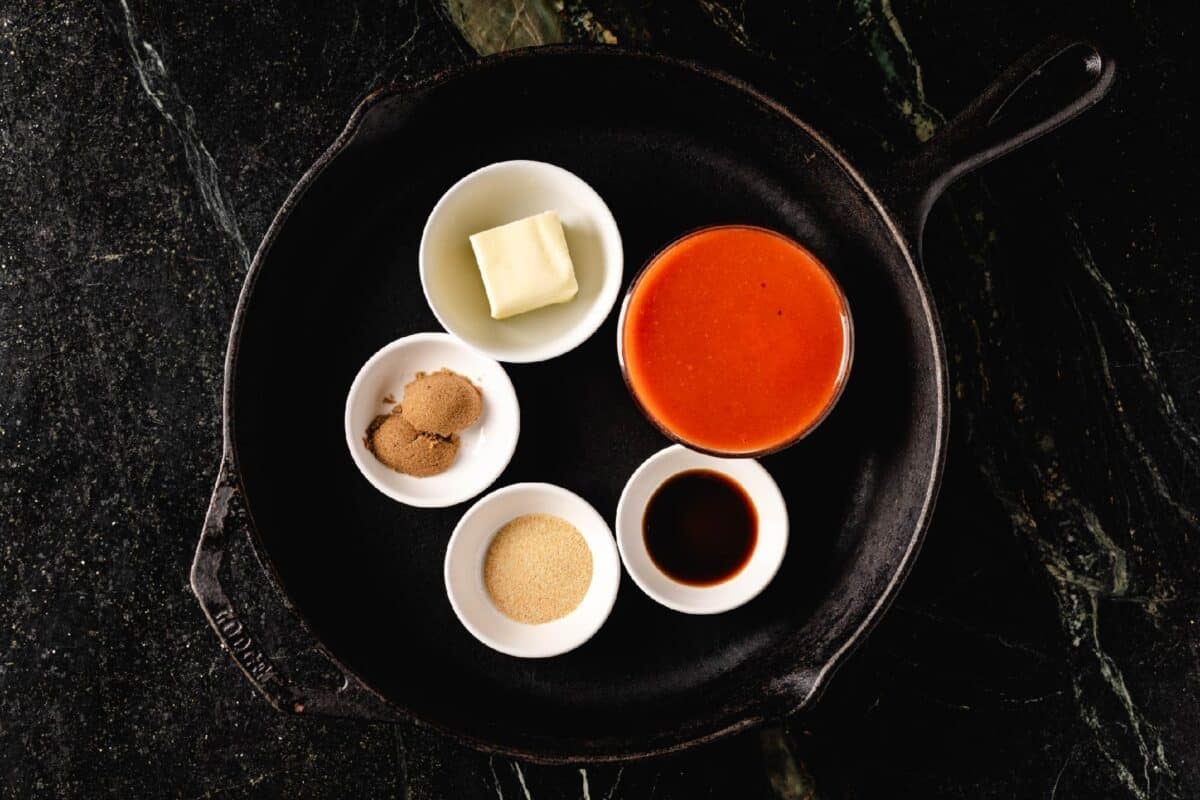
[1047, 643]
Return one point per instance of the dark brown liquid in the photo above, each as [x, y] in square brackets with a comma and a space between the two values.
[700, 527]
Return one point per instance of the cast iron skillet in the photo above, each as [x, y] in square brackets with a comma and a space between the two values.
[671, 147]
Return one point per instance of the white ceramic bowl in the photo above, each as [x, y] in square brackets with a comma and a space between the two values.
[754, 576]
[505, 192]
[464, 571]
[485, 448]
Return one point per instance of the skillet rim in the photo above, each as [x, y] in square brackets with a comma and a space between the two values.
[753, 716]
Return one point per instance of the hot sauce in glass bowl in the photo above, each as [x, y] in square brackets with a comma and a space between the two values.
[735, 340]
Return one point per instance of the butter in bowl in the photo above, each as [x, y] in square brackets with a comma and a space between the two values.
[521, 260]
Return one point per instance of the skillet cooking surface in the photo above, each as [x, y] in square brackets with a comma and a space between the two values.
[670, 149]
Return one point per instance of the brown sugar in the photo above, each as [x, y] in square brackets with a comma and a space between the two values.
[405, 449]
[537, 568]
[420, 436]
[441, 402]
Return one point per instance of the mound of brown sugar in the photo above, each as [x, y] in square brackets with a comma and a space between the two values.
[405, 449]
[441, 402]
[420, 436]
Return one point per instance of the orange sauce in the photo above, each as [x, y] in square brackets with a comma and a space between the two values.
[736, 340]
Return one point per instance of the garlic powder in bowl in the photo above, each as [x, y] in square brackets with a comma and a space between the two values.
[532, 570]
[537, 568]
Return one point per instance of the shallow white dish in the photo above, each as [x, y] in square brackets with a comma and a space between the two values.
[464, 571]
[505, 192]
[485, 448]
[755, 575]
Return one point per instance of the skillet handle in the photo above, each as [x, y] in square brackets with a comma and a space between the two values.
[227, 518]
[1051, 84]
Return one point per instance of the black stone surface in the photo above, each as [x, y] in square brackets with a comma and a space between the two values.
[1047, 643]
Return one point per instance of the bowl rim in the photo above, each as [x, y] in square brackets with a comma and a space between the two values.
[771, 494]
[843, 373]
[589, 322]
[467, 490]
[603, 542]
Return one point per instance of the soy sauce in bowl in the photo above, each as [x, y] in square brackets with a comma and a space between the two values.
[700, 527]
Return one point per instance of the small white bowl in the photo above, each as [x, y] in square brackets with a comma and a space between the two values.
[485, 448]
[743, 587]
[505, 192]
[464, 571]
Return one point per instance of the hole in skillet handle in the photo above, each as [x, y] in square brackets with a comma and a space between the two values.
[1051, 84]
[227, 521]
[1071, 73]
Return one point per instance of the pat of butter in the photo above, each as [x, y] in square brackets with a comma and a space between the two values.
[525, 265]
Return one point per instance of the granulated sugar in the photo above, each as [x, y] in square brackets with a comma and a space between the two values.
[537, 568]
